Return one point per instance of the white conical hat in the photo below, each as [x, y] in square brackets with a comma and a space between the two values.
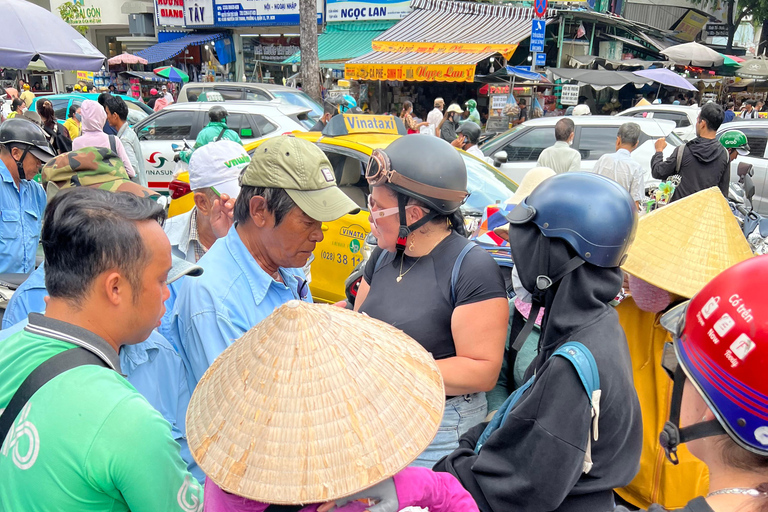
[313, 404]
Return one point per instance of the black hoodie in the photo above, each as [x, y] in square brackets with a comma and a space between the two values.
[533, 462]
[705, 164]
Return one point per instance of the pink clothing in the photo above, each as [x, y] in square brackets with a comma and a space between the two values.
[525, 309]
[161, 103]
[416, 487]
[92, 135]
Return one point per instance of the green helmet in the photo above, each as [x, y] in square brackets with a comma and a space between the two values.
[90, 167]
[471, 104]
[735, 139]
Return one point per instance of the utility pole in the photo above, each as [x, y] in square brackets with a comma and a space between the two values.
[310, 65]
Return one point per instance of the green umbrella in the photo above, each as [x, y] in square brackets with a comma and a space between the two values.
[172, 74]
[730, 62]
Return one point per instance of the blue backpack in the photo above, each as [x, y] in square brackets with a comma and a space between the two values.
[584, 363]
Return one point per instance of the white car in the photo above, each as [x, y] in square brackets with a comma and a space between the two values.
[171, 126]
[683, 116]
[756, 131]
[515, 152]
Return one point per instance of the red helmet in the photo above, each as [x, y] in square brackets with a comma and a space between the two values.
[721, 343]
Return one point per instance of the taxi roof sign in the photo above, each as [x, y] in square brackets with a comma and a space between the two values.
[347, 124]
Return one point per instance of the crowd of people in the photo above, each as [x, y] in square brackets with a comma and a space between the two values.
[178, 364]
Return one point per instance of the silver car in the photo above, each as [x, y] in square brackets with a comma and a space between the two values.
[683, 116]
[756, 131]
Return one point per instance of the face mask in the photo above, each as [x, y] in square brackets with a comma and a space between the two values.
[520, 292]
[647, 296]
[78, 117]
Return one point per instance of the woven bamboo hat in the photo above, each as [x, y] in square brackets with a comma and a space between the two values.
[683, 245]
[313, 404]
[530, 181]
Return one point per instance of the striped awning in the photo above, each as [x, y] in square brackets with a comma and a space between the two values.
[422, 67]
[167, 50]
[446, 26]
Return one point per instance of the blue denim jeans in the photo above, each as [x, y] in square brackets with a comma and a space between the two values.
[461, 413]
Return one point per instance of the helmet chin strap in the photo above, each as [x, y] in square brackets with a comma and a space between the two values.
[405, 230]
[20, 164]
[672, 435]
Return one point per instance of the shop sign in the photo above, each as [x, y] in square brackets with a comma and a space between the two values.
[169, 13]
[255, 13]
[414, 72]
[347, 10]
[198, 12]
[690, 26]
[570, 95]
[276, 53]
[498, 101]
[85, 13]
[421, 47]
[498, 89]
[84, 76]
[717, 30]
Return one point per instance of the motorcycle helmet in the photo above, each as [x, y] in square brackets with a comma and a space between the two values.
[721, 345]
[217, 114]
[735, 139]
[471, 105]
[439, 181]
[348, 104]
[574, 206]
[23, 133]
[470, 130]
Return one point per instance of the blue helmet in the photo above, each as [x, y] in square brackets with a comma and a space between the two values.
[347, 104]
[593, 214]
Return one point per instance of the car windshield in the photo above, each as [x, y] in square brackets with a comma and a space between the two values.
[135, 113]
[498, 142]
[300, 99]
[485, 186]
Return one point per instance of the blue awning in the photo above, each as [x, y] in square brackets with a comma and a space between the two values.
[169, 49]
[524, 73]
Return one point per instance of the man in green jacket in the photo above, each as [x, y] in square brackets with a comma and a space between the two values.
[87, 440]
[215, 130]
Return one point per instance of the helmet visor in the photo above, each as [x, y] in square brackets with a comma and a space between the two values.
[378, 168]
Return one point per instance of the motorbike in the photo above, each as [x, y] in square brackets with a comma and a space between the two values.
[753, 225]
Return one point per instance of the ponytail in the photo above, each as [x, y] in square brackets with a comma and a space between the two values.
[457, 224]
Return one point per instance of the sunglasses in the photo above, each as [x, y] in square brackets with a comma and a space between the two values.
[302, 288]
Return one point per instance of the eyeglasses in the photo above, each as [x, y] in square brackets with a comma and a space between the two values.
[386, 212]
[302, 287]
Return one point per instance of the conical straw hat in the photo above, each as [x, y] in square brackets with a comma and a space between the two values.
[683, 245]
[642, 103]
[530, 181]
[313, 404]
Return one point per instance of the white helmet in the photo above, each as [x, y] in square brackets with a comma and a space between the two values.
[581, 110]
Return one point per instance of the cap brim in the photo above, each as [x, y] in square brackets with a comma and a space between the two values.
[742, 151]
[231, 188]
[41, 155]
[180, 268]
[521, 214]
[324, 205]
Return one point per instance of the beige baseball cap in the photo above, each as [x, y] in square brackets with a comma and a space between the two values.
[301, 169]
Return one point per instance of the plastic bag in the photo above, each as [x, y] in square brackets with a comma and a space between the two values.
[536, 110]
[511, 108]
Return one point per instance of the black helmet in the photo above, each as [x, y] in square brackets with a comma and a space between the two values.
[423, 167]
[471, 130]
[23, 133]
[217, 114]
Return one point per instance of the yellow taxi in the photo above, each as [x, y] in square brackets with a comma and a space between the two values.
[348, 141]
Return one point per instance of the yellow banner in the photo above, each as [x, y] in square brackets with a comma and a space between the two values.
[423, 47]
[85, 76]
[415, 72]
[690, 26]
[370, 124]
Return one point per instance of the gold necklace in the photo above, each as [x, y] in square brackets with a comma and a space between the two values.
[402, 257]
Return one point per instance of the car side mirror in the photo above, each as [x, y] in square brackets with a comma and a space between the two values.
[500, 157]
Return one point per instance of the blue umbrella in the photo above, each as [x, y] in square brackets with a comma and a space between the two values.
[31, 33]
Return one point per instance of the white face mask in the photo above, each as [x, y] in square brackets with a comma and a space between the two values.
[520, 291]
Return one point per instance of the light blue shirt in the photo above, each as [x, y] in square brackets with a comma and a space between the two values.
[153, 367]
[21, 218]
[626, 171]
[233, 294]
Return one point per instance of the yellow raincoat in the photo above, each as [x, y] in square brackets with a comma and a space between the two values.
[658, 481]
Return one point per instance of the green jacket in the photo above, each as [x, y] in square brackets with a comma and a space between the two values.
[209, 134]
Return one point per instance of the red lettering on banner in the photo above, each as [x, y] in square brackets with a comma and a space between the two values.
[171, 13]
[177, 3]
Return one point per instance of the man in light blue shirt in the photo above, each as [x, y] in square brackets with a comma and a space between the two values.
[287, 192]
[621, 167]
[23, 149]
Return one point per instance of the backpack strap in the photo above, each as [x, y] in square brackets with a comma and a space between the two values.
[457, 268]
[382, 259]
[46, 371]
[221, 134]
[584, 363]
[680, 151]
[112, 143]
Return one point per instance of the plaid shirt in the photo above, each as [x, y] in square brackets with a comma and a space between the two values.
[194, 239]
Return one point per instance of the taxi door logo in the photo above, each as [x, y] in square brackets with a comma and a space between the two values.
[157, 161]
[24, 453]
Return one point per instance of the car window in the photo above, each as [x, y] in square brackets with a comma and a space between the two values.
[264, 125]
[192, 91]
[301, 99]
[485, 186]
[168, 126]
[230, 93]
[595, 141]
[497, 142]
[757, 139]
[240, 124]
[256, 95]
[135, 113]
[681, 120]
[528, 146]
[60, 108]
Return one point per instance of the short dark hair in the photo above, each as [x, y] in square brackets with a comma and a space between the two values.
[88, 231]
[712, 115]
[629, 133]
[563, 129]
[102, 99]
[730, 105]
[751, 102]
[522, 101]
[73, 109]
[329, 108]
[279, 203]
[116, 105]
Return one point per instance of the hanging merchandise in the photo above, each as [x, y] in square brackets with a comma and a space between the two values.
[536, 110]
[511, 109]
